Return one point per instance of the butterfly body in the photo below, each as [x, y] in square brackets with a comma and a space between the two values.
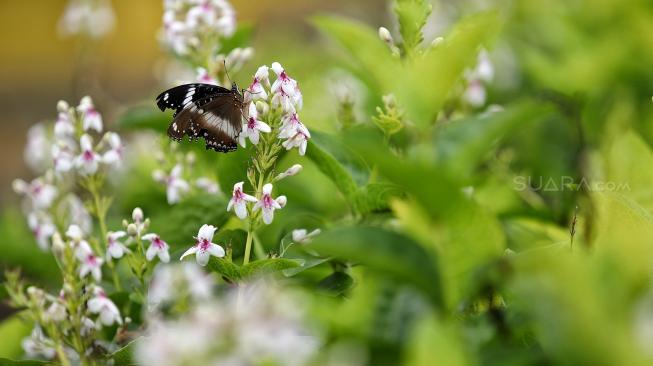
[205, 111]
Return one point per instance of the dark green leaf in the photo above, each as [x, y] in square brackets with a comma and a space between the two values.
[266, 266]
[145, 117]
[225, 268]
[8, 362]
[336, 283]
[124, 356]
[334, 170]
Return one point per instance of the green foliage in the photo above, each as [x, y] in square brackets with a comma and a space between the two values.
[412, 16]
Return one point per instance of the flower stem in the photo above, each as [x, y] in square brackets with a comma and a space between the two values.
[101, 215]
[248, 245]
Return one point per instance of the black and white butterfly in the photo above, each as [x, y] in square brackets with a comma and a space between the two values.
[204, 110]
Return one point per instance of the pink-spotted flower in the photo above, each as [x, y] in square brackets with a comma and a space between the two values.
[176, 186]
[40, 194]
[115, 249]
[89, 262]
[252, 127]
[238, 201]
[157, 247]
[203, 247]
[91, 118]
[204, 77]
[290, 125]
[63, 158]
[269, 204]
[115, 152]
[285, 90]
[87, 161]
[42, 228]
[255, 90]
[299, 140]
[101, 304]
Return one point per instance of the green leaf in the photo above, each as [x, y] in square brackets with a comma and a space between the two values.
[412, 16]
[375, 196]
[232, 168]
[146, 116]
[124, 356]
[12, 332]
[9, 362]
[330, 167]
[266, 266]
[336, 283]
[387, 253]
[225, 268]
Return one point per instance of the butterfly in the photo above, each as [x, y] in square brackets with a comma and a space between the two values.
[205, 111]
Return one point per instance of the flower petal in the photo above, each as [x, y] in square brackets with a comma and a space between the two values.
[190, 251]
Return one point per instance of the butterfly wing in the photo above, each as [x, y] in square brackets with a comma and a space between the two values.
[180, 96]
[217, 119]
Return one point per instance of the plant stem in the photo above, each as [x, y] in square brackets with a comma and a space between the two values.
[248, 245]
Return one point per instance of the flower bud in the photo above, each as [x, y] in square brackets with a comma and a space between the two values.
[19, 186]
[262, 107]
[436, 42]
[190, 158]
[62, 106]
[125, 223]
[247, 54]
[385, 35]
[58, 245]
[132, 230]
[293, 170]
[146, 224]
[282, 200]
[137, 214]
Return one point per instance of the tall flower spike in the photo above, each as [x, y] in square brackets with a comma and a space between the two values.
[87, 161]
[204, 248]
[268, 204]
[91, 117]
[157, 247]
[238, 201]
[252, 127]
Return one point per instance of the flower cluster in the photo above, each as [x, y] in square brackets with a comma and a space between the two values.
[179, 178]
[250, 325]
[93, 18]
[59, 153]
[187, 24]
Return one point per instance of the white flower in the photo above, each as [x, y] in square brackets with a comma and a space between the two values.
[75, 233]
[38, 345]
[293, 170]
[87, 161]
[285, 90]
[175, 185]
[252, 127]
[302, 236]
[238, 199]
[204, 248]
[63, 127]
[56, 312]
[37, 152]
[268, 204]
[255, 90]
[114, 154]
[89, 262]
[204, 77]
[115, 248]
[63, 158]
[475, 93]
[40, 194]
[207, 185]
[157, 247]
[101, 304]
[168, 280]
[290, 125]
[42, 228]
[88, 326]
[300, 140]
[137, 216]
[92, 18]
[91, 118]
[78, 213]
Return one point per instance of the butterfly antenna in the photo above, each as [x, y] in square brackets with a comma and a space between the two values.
[224, 62]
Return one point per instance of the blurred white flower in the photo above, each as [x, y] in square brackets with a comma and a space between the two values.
[139, 223]
[64, 127]
[204, 248]
[87, 161]
[78, 214]
[475, 93]
[169, 282]
[40, 194]
[91, 118]
[204, 77]
[293, 170]
[115, 248]
[101, 304]
[89, 263]
[238, 201]
[175, 185]
[207, 184]
[42, 228]
[114, 155]
[38, 345]
[88, 326]
[93, 18]
[63, 158]
[157, 247]
[301, 236]
[252, 127]
[37, 151]
[268, 204]
[56, 312]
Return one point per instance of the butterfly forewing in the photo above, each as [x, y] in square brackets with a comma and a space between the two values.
[207, 111]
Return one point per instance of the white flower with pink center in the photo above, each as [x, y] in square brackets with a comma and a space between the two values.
[89, 262]
[42, 228]
[40, 194]
[290, 125]
[255, 90]
[204, 77]
[91, 118]
[238, 201]
[116, 149]
[101, 304]
[157, 247]
[176, 186]
[64, 127]
[299, 140]
[252, 127]
[268, 204]
[115, 248]
[204, 248]
[87, 161]
[63, 158]
[285, 90]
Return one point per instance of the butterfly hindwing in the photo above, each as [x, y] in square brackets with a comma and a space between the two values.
[220, 123]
